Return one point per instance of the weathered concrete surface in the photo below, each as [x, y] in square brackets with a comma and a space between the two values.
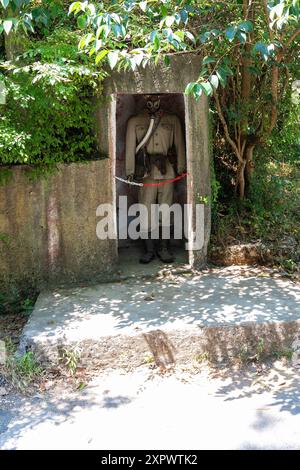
[250, 409]
[129, 268]
[176, 320]
[167, 79]
[50, 226]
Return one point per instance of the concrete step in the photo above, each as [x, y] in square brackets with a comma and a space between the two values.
[220, 315]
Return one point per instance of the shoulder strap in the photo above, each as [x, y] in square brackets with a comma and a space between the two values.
[148, 135]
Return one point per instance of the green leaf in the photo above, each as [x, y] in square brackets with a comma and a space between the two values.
[154, 38]
[81, 386]
[204, 37]
[221, 76]
[214, 81]
[88, 38]
[179, 34]
[197, 91]
[123, 31]
[138, 56]
[91, 8]
[163, 10]
[116, 18]
[116, 28]
[207, 88]
[189, 88]
[184, 15]
[7, 25]
[246, 26]
[227, 70]
[264, 49]
[242, 36]
[98, 44]
[177, 37]
[260, 47]
[167, 60]
[5, 3]
[169, 21]
[190, 36]
[143, 6]
[277, 11]
[101, 55]
[81, 43]
[208, 60]
[92, 51]
[76, 6]
[113, 58]
[230, 33]
[177, 18]
[82, 21]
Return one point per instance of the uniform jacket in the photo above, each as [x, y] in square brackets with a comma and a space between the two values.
[168, 132]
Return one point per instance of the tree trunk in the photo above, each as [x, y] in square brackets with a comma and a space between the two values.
[240, 180]
[245, 171]
[249, 167]
[14, 41]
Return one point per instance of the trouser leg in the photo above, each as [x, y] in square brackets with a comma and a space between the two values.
[165, 196]
[147, 197]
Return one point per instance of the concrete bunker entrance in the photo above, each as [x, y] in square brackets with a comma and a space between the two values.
[126, 105]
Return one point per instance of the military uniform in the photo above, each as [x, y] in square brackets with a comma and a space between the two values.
[167, 134]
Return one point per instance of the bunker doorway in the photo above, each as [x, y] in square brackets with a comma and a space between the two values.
[130, 250]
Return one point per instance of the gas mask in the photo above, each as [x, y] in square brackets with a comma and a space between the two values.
[153, 103]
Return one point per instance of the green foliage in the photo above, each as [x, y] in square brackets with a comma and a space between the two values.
[27, 365]
[22, 370]
[270, 213]
[271, 210]
[284, 353]
[17, 301]
[49, 112]
[27, 306]
[33, 16]
[130, 33]
[70, 358]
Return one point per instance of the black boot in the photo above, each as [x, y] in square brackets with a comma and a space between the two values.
[149, 254]
[164, 253]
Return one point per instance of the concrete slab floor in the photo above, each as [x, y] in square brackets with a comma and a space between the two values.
[211, 299]
[129, 265]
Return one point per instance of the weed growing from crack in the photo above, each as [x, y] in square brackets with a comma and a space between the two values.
[70, 357]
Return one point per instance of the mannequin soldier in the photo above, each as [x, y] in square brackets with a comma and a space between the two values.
[158, 131]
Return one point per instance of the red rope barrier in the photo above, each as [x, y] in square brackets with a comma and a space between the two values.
[167, 181]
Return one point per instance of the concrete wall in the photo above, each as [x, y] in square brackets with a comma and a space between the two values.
[50, 226]
[162, 79]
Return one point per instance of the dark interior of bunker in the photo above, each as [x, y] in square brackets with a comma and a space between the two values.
[128, 105]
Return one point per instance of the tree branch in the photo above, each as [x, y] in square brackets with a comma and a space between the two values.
[265, 6]
[292, 37]
[225, 127]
